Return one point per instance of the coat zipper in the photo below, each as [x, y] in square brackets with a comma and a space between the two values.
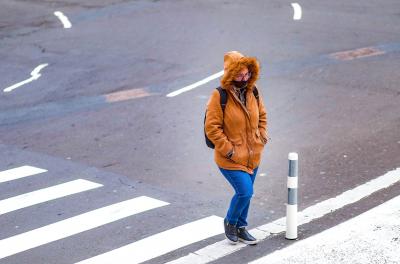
[248, 114]
[249, 122]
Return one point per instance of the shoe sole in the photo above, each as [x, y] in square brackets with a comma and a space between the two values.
[230, 241]
[248, 242]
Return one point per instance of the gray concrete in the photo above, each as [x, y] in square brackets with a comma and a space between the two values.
[342, 117]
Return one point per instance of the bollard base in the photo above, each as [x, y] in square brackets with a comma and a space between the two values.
[291, 221]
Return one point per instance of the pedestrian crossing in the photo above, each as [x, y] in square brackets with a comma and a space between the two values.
[18, 173]
[161, 243]
[75, 225]
[374, 233]
[221, 249]
[153, 245]
[45, 195]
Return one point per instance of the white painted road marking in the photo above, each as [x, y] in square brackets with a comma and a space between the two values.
[35, 74]
[161, 243]
[46, 194]
[64, 20]
[77, 224]
[20, 172]
[297, 11]
[375, 233]
[222, 248]
[197, 84]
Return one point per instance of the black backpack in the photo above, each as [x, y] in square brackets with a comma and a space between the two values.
[223, 100]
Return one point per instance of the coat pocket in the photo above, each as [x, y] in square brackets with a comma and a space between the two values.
[259, 138]
[240, 153]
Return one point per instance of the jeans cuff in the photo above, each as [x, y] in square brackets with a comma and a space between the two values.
[227, 220]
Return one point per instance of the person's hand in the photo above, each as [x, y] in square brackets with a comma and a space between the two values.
[266, 140]
[230, 154]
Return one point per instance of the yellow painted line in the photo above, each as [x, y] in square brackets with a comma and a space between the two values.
[357, 53]
[126, 95]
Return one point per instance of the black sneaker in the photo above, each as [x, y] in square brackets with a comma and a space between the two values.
[230, 232]
[245, 237]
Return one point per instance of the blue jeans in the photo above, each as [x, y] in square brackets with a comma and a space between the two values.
[242, 182]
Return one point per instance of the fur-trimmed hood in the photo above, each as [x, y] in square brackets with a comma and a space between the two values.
[234, 62]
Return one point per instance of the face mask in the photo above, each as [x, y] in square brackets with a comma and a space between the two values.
[239, 84]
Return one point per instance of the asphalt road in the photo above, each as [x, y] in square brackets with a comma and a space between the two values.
[340, 114]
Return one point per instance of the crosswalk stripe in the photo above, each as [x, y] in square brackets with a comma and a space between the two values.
[20, 172]
[46, 194]
[77, 224]
[161, 243]
[371, 232]
[222, 248]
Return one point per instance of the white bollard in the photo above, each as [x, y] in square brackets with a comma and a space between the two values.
[291, 206]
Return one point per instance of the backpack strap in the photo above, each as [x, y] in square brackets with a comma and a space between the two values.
[223, 98]
[255, 92]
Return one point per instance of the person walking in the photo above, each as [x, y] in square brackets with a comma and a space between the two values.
[239, 134]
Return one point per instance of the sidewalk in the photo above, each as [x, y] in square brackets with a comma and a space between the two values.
[372, 237]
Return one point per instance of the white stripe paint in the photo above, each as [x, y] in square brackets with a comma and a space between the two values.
[297, 11]
[197, 84]
[77, 224]
[35, 74]
[20, 172]
[64, 20]
[292, 182]
[222, 248]
[46, 194]
[161, 243]
[375, 233]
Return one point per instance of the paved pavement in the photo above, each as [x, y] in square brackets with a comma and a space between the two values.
[89, 106]
[372, 237]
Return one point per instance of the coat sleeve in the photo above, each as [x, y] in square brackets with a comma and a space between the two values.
[263, 123]
[214, 125]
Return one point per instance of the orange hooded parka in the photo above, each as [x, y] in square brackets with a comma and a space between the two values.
[241, 129]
